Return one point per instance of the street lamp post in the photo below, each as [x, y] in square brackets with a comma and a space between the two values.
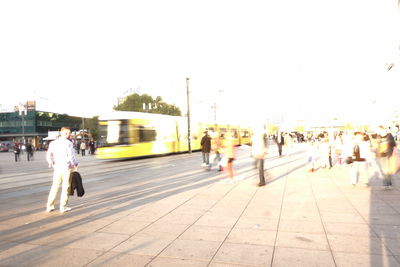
[188, 115]
[22, 110]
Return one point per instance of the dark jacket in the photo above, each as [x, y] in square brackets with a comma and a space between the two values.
[206, 144]
[76, 183]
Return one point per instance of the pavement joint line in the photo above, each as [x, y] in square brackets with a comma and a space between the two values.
[233, 226]
[320, 218]
[231, 189]
[280, 214]
[369, 225]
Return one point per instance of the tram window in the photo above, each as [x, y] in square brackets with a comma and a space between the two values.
[147, 134]
[113, 132]
[124, 134]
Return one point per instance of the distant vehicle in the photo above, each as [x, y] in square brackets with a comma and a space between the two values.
[3, 148]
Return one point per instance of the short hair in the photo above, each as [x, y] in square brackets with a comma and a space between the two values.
[65, 129]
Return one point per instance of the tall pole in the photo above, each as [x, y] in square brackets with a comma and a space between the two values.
[188, 115]
[23, 126]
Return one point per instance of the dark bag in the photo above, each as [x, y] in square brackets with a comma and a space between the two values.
[348, 160]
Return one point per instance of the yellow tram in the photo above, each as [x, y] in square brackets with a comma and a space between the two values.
[126, 134]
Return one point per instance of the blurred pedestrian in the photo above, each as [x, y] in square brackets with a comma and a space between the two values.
[92, 146]
[83, 148]
[386, 144]
[61, 157]
[17, 151]
[360, 158]
[206, 148]
[216, 147]
[229, 153]
[312, 155]
[29, 151]
[326, 152]
[280, 141]
[258, 150]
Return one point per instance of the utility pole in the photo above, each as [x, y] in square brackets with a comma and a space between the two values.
[22, 112]
[188, 115]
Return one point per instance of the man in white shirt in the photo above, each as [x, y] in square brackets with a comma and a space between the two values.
[61, 156]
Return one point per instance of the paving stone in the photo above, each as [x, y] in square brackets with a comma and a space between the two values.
[171, 262]
[352, 229]
[215, 220]
[301, 226]
[357, 244]
[145, 244]
[221, 264]
[342, 217]
[384, 219]
[57, 238]
[124, 227]
[181, 218]
[257, 223]
[257, 255]
[262, 212]
[112, 259]
[387, 231]
[252, 236]
[393, 245]
[206, 233]
[98, 241]
[302, 240]
[299, 215]
[191, 249]
[356, 259]
[302, 258]
[34, 255]
[163, 227]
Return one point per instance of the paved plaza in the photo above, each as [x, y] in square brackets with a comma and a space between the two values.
[169, 211]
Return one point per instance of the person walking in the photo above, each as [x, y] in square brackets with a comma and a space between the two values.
[29, 151]
[280, 142]
[258, 150]
[92, 146]
[360, 158]
[206, 148]
[216, 146]
[61, 157]
[17, 151]
[386, 144]
[229, 153]
[83, 148]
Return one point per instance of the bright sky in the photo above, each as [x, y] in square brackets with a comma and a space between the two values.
[296, 59]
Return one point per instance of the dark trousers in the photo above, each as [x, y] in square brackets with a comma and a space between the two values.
[260, 165]
[280, 149]
[83, 152]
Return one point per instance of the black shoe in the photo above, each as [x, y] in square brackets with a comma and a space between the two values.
[261, 184]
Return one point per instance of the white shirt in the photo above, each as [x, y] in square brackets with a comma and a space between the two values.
[61, 154]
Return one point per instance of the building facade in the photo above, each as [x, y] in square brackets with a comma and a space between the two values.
[32, 126]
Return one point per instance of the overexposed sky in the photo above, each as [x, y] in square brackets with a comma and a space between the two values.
[289, 58]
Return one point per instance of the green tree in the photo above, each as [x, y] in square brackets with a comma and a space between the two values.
[91, 124]
[136, 102]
